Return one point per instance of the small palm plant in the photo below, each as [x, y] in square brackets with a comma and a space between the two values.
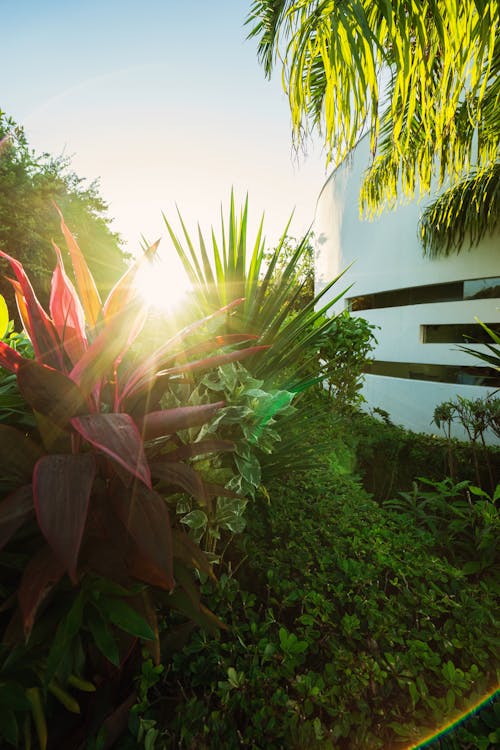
[84, 516]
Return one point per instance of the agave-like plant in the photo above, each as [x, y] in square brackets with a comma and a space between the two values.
[87, 489]
[230, 269]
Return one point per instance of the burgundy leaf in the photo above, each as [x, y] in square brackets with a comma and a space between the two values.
[180, 475]
[62, 485]
[50, 392]
[117, 436]
[159, 423]
[15, 509]
[40, 575]
[44, 338]
[145, 516]
[198, 449]
[67, 312]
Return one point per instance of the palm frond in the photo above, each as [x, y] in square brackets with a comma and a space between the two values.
[442, 57]
[463, 215]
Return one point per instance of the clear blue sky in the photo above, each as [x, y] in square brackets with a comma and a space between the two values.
[165, 102]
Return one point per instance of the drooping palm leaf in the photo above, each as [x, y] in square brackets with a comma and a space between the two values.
[337, 56]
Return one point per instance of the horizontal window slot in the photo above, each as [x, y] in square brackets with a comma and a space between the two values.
[485, 376]
[457, 333]
[453, 291]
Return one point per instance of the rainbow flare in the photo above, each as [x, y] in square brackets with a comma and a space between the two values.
[459, 719]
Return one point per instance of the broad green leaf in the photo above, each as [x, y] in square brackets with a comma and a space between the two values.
[103, 638]
[124, 617]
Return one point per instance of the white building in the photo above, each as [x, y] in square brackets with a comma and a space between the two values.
[423, 306]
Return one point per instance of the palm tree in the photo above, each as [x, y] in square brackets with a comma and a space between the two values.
[421, 77]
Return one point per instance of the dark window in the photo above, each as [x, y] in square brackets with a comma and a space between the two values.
[436, 373]
[457, 333]
[420, 295]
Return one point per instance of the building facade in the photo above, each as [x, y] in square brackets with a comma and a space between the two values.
[425, 308]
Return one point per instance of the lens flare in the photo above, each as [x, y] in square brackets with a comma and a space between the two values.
[459, 719]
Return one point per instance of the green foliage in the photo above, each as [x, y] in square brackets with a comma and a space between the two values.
[388, 457]
[346, 345]
[463, 519]
[229, 270]
[29, 183]
[347, 630]
[422, 78]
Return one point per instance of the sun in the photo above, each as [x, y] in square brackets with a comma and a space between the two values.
[163, 284]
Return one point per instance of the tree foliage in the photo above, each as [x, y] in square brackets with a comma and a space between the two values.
[421, 78]
[29, 184]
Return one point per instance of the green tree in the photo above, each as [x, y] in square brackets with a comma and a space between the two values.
[422, 78]
[29, 184]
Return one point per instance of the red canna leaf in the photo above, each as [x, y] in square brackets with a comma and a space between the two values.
[145, 516]
[62, 485]
[42, 333]
[85, 283]
[67, 312]
[159, 423]
[50, 392]
[15, 509]
[9, 358]
[40, 575]
[117, 436]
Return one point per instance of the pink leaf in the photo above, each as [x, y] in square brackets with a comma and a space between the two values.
[159, 423]
[40, 575]
[117, 436]
[215, 361]
[15, 509]
[99, 359]
[67, 312]
[44, 338]
[85, 283]
[62, 486]
[145, 516]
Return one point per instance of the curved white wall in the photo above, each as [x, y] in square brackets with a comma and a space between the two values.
[386, 254]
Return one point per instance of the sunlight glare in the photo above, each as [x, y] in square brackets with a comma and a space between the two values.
[163, 285]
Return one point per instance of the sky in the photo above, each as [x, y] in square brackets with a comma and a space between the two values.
[164, 102]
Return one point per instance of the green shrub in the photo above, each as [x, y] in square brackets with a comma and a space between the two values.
[346, 631]
[389, 458]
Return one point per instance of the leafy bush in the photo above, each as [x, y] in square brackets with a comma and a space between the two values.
[389, 458]
[346, 630]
